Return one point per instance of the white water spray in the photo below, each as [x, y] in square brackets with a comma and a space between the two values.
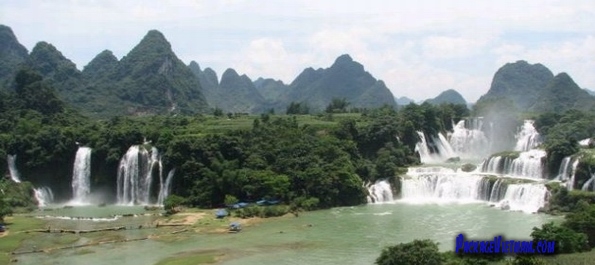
[135, 175]
[528, 164]
[436, 152]
[469, 142]
[44, 196]
[567, 171]
[81, 174]
[380, 192]
[589, 184]
[527, 137]
[528, 198]
[12, 168]
[166, 187]
[444, 185]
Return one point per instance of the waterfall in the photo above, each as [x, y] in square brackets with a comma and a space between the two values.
[135, 175]
[380, 192]
[527, 137]
[528, 164]
[12, 168]
[81, 174]
[444, 185]
[44, 196]
[436, 151]
[165, 188]
[441, 188]
[567, 171]
[468, 140]
[498, 191]
[589, 184]
[527, 198]
[585, 142]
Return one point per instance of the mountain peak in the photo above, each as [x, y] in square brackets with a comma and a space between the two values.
[229, 73]
[344, 59]
[12, 54]
[194, 67]
[9, 42]
[448, 96]
[47, 58]
[154, 44]
[101, 65]
[520, 81]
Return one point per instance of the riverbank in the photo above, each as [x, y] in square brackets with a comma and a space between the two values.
[30, 233]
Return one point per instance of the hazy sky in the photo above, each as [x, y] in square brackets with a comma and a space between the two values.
[419, 48]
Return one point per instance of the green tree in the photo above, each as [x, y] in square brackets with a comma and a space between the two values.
[172, 202]
[5, 209]
[218, 112]
[418, 252]
[567, 240]
[36, 95]
[337, 105]
[582, 221]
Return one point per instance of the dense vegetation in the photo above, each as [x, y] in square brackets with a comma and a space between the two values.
[322, 163]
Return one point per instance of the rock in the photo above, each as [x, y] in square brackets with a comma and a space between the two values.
[468, 167]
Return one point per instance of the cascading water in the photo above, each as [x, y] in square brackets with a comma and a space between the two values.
[12, 168]
[528, 164]
[81, 174]
[567, 171]
[528, 197]
[166, 187]
[585, 142]
[380, 192]
[527, 137]
[589, 184]
[440, 185]
[444, 185]
[436, 151]
[468, 140]
[135, 175]
[44, 196]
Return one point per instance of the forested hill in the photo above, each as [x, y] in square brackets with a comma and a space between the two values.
[311, 161]
[150, 79]
[449, 96]
[533, 87]
[345, 79]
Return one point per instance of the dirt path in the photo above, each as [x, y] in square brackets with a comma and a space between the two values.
[187, 218]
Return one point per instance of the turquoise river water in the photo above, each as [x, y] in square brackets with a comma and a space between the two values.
[348, 235]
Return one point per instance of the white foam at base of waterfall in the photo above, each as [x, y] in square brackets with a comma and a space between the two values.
[380, 192]
[438, 185]
[43, 195]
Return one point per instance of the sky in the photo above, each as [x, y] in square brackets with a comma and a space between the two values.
[418, 48]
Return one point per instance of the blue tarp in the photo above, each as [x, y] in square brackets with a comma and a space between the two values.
[221, 213]
[235, 226]
[240, 205]
[267, 202]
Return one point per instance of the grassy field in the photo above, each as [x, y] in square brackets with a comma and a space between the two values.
[210, 124]
[15, 237]
[192, 258]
